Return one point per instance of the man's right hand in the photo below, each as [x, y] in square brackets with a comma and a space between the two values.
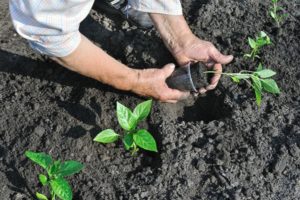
[152, 82]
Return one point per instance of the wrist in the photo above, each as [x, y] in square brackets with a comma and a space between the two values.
[129, 82]
[174, 31]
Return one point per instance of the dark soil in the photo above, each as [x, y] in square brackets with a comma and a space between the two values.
[219, 146]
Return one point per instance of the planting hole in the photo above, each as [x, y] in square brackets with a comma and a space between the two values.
[208, 108]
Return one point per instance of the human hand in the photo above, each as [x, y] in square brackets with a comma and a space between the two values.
[152, 82]
[192, 49]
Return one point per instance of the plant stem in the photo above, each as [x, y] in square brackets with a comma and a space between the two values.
[227, 74]
[52, 195]
[234, 74]
[135, 149]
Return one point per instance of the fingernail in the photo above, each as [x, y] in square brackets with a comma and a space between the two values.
[172, 66]
[196, 94]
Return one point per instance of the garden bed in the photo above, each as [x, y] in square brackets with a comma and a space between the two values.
[218, 146]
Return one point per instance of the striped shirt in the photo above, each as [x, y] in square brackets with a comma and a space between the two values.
[52, 27]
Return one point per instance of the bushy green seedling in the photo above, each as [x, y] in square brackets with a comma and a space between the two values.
[133, 138]
[277, 13]
[256, 45]
[56, 171]
[260, 80]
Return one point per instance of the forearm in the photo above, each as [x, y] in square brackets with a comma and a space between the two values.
[91, 61]
[172, 29]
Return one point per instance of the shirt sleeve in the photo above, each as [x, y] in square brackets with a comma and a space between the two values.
[169, 7]
[51, 27]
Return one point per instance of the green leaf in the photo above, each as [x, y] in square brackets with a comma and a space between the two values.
[252, 43]
[42, 159]
[43, 179]
[235, 79]
[61, 188]
[54, 168]
[263, 34]
[257, 89]
[126, 118]
[270, 85]
[273, 15]
[268, 40]
[106, 136]
[256, 82]
[145, 140]
[285, 15]
[142, 110]
[257, 96]
[260, 67]
[128, 141]
[40, 196]
[68, 168]
[265, 73]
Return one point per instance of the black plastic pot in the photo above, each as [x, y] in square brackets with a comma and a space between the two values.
[188, 78]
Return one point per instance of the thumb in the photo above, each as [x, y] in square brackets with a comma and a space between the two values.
[168, 69]
[220, 58]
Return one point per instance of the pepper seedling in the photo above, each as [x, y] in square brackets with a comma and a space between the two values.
[56, 171]
[276, 12]
[134, 138]
[260, 80]
[256, 45]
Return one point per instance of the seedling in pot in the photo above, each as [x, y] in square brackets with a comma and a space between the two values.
[276, 12]
[260, 80]
[133, 138]
[56, 171]
[256, 45]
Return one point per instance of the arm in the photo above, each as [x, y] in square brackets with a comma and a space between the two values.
[65, 44]
[91, 61]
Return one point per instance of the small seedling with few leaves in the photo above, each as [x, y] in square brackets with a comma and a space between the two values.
[56, 171]
[277, 13]
[260, 80]
[133, 138]
[257, 43]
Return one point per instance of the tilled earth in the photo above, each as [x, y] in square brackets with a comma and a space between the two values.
[218, 146]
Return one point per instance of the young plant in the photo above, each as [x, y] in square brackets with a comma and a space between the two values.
[276, 13]
[260, 80]
[133, 138]
[56, 171]
[256, 45]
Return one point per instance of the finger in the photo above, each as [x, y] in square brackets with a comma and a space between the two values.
[220, 58]
[202, 90]
[215, 79]
[168, 69]
[176, 95]
[185, 95]
[170, 101]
